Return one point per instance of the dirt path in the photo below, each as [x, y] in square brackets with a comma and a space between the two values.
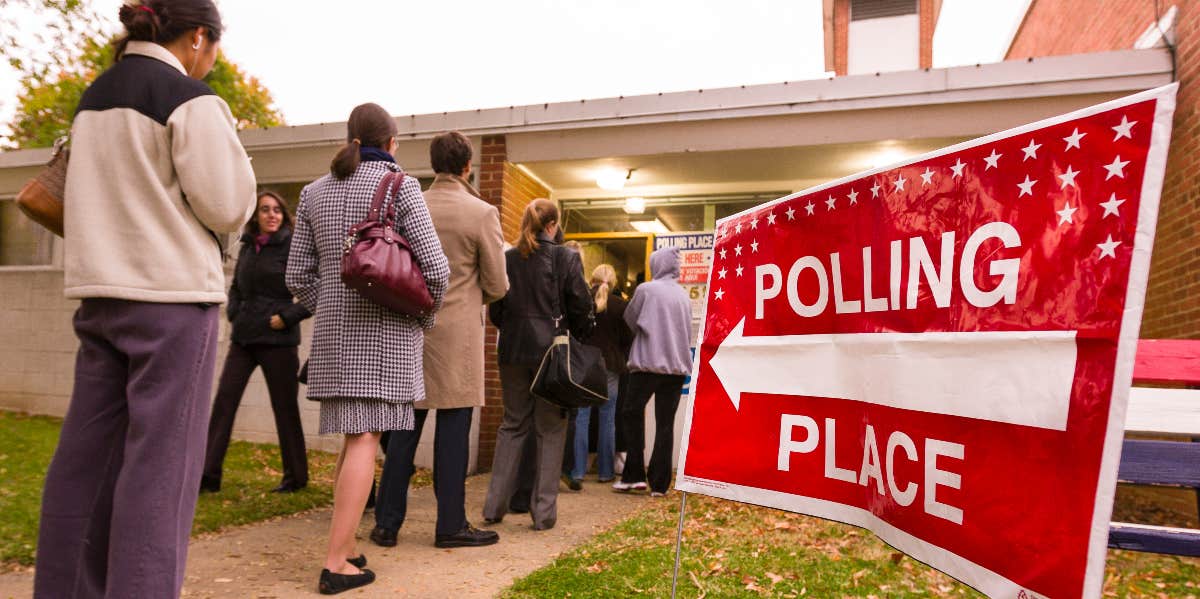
[282, 559]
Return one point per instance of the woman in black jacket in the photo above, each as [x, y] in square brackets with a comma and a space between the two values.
[266, 333]
[545, 284]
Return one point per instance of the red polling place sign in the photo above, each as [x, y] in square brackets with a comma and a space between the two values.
[941, 351]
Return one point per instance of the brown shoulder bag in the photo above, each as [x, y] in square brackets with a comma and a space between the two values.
[41, 199]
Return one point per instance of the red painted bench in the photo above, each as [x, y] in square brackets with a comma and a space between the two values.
[1173, 412]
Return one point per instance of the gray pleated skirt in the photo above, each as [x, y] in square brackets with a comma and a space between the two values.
[351, 416]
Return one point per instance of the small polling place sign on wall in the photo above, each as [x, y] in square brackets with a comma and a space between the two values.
[941, 351]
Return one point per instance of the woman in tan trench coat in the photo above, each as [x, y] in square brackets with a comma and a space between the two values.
[469, 230]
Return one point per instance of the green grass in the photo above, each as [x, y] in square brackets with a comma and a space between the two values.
[251, 471]
[737, 550]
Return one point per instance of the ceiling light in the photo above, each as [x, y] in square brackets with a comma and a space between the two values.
[887, 157]
[650, 226]
[635, 205]
[613, 180]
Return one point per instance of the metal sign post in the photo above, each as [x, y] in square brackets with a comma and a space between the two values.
[678, 543]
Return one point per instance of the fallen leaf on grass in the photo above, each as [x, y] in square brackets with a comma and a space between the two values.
[775, 578]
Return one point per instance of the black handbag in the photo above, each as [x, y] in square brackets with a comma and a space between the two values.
[572, 374]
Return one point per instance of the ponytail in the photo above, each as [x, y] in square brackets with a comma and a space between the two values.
[539, 214]
[347, 159]
[164, 21]
[606, 276]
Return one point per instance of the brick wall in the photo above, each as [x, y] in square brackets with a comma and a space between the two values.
[841, 36]
[1053, 27]
[927, 13]
[510, 189]
[1057, 27]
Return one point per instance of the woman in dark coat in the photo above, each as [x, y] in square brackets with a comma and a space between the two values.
[545, 283]
[265, 334]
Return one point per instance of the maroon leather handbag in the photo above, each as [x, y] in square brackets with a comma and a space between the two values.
[378, 263]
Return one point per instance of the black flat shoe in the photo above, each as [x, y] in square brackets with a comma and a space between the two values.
[208, 485]
[573, 484]
[383, 537]
[287, 488]
[359, 562]
[332, 584]
[469, 536]
[493, 520]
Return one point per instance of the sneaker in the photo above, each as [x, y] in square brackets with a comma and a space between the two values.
[657, 494]
[625, 487]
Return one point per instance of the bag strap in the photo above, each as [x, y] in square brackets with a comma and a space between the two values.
[558, 290]
[391, 180]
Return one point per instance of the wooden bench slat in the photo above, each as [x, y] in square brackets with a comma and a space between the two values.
[1163, 463]
[1154, 539]
[1171, 411]
[1167, 361]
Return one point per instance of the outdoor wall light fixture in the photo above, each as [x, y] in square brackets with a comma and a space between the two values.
[634, 205]
[613, 180]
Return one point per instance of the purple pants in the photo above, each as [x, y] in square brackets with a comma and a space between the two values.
[121, 490]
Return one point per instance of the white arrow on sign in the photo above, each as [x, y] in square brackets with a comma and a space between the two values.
[1015, 377]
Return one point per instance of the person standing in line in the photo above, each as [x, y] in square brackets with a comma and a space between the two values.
[156, 175]
[266, 333]
[365, 365]
[660, 315]
[469, 230]
[546, 290]
[613, 337]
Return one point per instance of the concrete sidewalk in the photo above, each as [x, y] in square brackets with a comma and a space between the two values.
[282, 558]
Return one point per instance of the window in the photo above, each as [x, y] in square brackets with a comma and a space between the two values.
[22, 241]
[877, 9]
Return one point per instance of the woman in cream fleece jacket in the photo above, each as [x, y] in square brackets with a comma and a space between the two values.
[157, 175]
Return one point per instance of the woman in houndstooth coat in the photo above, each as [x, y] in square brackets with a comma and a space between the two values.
[366, 361]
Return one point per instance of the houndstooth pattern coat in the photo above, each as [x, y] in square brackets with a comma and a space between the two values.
[361, 350]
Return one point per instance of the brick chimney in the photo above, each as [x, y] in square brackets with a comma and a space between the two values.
[873, 36]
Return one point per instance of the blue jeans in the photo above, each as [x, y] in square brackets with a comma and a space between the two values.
[606, 452]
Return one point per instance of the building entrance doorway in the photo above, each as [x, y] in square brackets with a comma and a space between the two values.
[628, 253]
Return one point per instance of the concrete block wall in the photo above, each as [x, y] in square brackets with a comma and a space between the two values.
[1053, 27]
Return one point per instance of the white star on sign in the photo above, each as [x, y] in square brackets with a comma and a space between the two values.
[1108, 248]
[875, 190]
[754, 223]
[1030, 150]
[720, 294]
[900, 181]
[721, 273]
[791, 212]
[771, 218]
[1073, 139]
[754, 247]
[1111, 206]
[809, 207]
[1125, 129]
[1026, 187]
[738, 227]
[737, 250]
[992, 160]
[830, 203]
[1116, 169]
[926, 177]
[958, 168]
[723, 253]
[1068, 178]
[853, 196]
[738, 270]
[1064, 215]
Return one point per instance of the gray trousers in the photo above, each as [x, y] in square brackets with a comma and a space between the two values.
[121, 490]
[525, 415]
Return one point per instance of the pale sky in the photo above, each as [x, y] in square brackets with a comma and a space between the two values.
[320, 59]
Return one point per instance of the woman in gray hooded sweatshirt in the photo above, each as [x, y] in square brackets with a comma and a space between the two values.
[660, 315]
